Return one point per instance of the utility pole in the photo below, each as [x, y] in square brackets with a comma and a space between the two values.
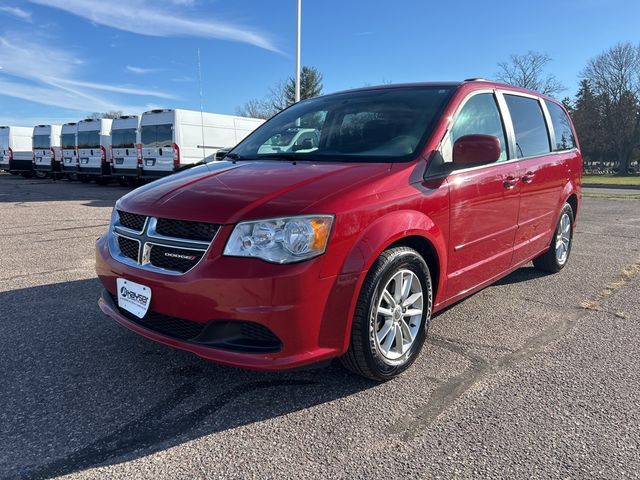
[299, 24]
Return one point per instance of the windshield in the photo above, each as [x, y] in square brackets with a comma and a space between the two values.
[89, 139]
[156, 136]
[372, 125]
[123, 138]
[41, 142]
[68, 140]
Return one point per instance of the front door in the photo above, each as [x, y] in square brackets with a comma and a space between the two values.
[484, 202]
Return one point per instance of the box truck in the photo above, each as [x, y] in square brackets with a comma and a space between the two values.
[171, 139]
[94, 149]
[125, 148]
[46, 150]
[16, 150]
[69, 142]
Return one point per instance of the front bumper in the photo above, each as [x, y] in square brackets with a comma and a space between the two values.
[310, 315]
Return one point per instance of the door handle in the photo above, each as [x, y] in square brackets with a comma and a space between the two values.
[528, 177]
[510, 182]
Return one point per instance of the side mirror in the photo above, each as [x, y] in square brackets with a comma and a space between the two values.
[476, 150]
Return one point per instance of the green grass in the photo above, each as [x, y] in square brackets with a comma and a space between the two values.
[611, 180]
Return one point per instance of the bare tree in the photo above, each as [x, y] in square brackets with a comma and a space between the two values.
[614, 76]
[528, 71]
[280, 96]
[109, 114]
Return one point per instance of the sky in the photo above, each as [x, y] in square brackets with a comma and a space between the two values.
[61, 60]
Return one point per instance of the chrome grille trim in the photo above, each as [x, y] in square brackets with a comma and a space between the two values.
[147, 238]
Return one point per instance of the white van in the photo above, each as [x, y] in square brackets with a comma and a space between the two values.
[46, 150]
[174, 138]
[16, 150]
[69, 143]
[94, 149]
[125, 148]
[292, 140]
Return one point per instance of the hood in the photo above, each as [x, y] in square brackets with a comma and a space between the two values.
[226, 192]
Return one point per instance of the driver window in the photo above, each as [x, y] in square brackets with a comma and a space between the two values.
[480, 115]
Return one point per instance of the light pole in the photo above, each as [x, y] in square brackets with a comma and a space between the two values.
[299, 23]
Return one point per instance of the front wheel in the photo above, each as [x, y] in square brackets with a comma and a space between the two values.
[392, 315]
[557, 255]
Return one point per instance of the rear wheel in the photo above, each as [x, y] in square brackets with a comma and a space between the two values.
[102, 180]
[392, 315]
[41, 175]
[84, 178]
[557, 256]
[27, 174]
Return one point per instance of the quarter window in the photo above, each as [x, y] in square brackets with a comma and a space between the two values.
[561, 127]
[532, 137]
[480, 115]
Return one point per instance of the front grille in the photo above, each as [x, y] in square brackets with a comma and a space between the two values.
[257, 332]
[128, 247]
[159, 244]
[203, 232]
[170, 326]
[176, 259]
[132, 221]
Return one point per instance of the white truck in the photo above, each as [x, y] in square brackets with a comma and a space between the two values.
[125, 148]
[16, 150]
[47, 152]
[94, 150]
[171, 139]
[69, 143]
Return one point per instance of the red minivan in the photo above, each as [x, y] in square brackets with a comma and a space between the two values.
[406, 199]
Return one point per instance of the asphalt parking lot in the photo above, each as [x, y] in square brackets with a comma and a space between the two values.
[537, 376]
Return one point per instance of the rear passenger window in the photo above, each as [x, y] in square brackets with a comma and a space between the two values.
[561, 127]
[532, 137]
[480, 115]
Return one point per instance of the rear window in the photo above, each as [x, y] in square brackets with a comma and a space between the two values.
[41, 141]
[69, 140]
[530, 128]
[561, 127]
[123, 138]
[89, 139]
[156, 136]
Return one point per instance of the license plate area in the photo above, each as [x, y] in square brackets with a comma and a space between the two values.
[133, 297]
[119, 161]
[149, 162]
[84, 160]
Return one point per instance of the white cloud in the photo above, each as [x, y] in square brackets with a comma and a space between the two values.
[157, 19]
[141, 70]
[17, 12]
[46, 75]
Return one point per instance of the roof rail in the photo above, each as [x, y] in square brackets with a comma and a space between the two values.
[475, 79]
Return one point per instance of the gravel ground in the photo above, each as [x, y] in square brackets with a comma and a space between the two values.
[536, 376]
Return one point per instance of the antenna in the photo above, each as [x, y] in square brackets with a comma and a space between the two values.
[204, 151]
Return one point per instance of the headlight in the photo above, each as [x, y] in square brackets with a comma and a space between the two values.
[281, 240]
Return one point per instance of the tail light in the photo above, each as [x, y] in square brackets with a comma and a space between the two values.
[53, 153]
[10, 154]
[176, 155]
[103, 154]
[139, 152]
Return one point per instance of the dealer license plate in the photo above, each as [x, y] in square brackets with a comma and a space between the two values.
[133, 297]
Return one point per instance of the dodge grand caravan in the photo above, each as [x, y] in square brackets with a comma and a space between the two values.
[414, 197]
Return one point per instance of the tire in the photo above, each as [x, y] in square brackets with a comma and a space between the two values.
[367, 355]
[27, 174]
[41, 175]
[84, 178]
[125, 181]
[72, 177]
[557, 255]
[102, 180]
